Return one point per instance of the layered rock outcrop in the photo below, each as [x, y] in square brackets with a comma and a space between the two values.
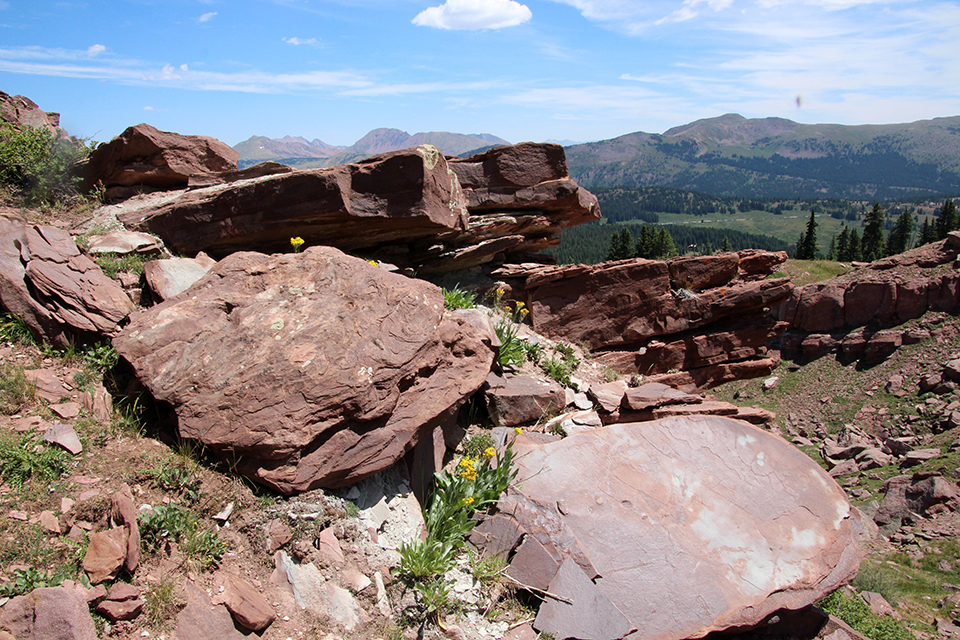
[314, 369]
[852, 315]
[413, 208]
[697, 315]
[681, 506]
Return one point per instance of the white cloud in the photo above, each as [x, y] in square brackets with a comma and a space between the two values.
[297, 41]
[208, 16]
[65, 63]
[474, 14]
[95, 49]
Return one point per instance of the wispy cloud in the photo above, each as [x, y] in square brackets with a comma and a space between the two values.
[95, 50]
[207, 17]
[474, 15]
[299, 41]
[67, 64]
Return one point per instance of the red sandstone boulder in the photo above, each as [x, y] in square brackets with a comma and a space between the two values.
[735, 523]
[757, 264]
[315, 369]
[144, 155]
[396, 197]
[57, 291]
[704, 272]
[50, 613]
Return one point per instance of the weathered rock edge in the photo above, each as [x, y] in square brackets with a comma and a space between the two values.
[313, 369]
[732, 521]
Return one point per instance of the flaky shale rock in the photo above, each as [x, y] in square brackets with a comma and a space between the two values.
[314, 369]
[684, 526]
[59, 293]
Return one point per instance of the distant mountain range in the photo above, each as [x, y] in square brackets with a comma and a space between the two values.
[298, 152]
[773, 157]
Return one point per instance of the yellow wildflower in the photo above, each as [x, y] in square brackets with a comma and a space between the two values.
[501, 292]
[468, 500]
[296, 243]
[374, 262]
[489, 452]
[518, 430]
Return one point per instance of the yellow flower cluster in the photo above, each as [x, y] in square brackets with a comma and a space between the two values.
[489, 452]
[468, 471]
[296, 243]
[468, 500]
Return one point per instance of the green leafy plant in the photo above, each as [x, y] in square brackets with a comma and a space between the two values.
[179, 476]
[855, 612]
[434, 597]
[563, 367]
[172, 523]
[39, 164]
[26, 580]
[486, 570]
[475, 486]
[512, 350]
[26, 456]
[428, 558]
[458, 298]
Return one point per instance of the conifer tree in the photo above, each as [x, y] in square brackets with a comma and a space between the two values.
[843, 244]
[900, 234]
[854, 247]
[947, 221]
[621, 245]
[928, 232]
[807, 244]
[832, 251]
[666, 248]
[872, 245]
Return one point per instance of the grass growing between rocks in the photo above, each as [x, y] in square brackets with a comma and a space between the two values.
[855, 612]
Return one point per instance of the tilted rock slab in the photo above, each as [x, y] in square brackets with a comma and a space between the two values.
[57, 291]
[314, 369]
[144, 155]
[685, 525]
[399, 196]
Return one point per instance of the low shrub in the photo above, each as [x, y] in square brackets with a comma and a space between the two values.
[39, 164]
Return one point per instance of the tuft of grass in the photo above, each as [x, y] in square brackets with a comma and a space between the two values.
[458, 298]
[113, 263]
[16, 391]
[162, 604]
[562, 366]
[14, 329]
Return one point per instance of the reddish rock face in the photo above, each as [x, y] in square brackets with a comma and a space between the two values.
[614, 304]
[733, 521]
[68, 294]
[24, 112]
[144, 155]
[704, 272]
[315, 369]
[399, 196]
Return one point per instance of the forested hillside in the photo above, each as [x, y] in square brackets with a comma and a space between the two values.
[772, 157]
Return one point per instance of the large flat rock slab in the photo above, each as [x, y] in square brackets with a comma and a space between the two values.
[686, 525]
[313, 369]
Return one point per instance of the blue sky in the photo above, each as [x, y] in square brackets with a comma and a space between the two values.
[534, 70]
